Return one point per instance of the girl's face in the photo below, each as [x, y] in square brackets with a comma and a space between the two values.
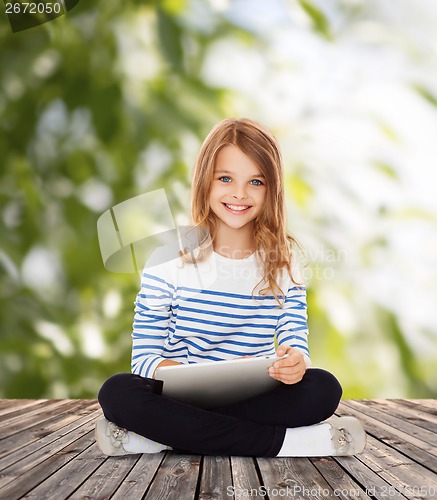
[238, 190]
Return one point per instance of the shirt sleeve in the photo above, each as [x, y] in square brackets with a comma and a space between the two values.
[292, 326]
[151, 321]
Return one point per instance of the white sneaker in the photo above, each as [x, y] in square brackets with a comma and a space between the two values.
[348, 436]
[110, 438]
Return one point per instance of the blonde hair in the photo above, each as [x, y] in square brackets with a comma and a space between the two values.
[273, 242]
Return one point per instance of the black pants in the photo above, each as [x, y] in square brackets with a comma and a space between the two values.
[253, 427]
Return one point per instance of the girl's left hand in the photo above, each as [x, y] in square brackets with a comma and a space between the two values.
[291, 369]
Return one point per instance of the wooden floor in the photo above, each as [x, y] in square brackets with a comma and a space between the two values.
[47, 450]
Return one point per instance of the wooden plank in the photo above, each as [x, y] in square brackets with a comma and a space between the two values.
[63, 425]
[35, 457]
[244, 476]
[216, 477]
[373, 484]
[407, 444]
[23, 407]
[35, 416]
[66, 480]
[293, 477]
[4, 403]
[409, 428]
[409, 432]
[12, 405]
[177, 478]
[137, 482]
[22, 484]
[403, 475]
[418, 408]
[343, 485]
[425, 420]
[41, 456]
[24, 441]
[103, 481]
[428, 404]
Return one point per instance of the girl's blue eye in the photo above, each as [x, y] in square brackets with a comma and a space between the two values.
[255, 182]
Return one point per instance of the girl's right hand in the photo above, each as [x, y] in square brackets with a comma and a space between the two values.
[166, 362]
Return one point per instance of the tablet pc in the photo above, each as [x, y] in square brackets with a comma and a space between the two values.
[213, 384]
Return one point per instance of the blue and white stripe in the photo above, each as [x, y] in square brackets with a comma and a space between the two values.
[177, 319]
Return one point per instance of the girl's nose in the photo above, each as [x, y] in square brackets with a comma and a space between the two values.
[239, 192]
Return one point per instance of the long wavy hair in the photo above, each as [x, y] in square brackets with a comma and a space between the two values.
[274, 244]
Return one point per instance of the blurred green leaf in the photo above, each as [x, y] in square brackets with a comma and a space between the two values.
[388, 170]
[299, 189]
[170, 37]
[426, 94]
[318, 18]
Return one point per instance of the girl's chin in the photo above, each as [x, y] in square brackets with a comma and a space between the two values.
[234, 223]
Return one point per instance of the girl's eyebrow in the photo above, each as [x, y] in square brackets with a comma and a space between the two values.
[230, 173]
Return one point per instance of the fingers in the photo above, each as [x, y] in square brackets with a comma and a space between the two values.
[280, 351]
[288, 375]
[294, 357]
[291, 369]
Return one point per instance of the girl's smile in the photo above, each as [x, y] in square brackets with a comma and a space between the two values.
[237, 209]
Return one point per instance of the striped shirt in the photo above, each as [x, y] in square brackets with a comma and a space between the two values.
[192, 313]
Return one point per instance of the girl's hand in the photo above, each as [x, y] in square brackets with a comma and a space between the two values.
[291, 369]
[166, 362]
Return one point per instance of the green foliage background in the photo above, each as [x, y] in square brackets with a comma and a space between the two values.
[75, 129]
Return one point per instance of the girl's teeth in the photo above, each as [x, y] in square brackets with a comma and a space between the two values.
[233, 207]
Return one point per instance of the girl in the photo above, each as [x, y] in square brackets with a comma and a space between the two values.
[237, 295]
